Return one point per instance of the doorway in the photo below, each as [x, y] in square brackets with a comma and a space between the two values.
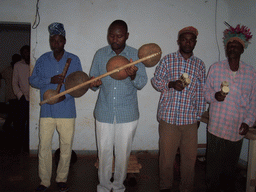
[13, 36]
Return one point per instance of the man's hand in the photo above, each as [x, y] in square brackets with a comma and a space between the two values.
[219, 97]
[57, 79]
[96, 83]
[131, 71]
[244, 128]
[177, 85]
[62, 98]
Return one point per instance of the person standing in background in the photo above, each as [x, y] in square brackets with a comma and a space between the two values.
[10, 98]
[20, 85]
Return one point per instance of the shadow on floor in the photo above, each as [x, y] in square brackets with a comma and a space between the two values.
[19, 172]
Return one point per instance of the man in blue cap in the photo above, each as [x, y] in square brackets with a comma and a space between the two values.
[61, 115]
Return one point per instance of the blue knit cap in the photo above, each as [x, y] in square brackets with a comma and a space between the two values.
[56, 29]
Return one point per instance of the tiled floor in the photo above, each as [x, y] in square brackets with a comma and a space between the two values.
[18, 172]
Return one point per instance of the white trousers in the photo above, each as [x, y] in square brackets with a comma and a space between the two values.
[65, 128]
[117, 137]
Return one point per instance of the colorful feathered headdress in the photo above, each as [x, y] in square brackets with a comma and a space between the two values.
[241, 34]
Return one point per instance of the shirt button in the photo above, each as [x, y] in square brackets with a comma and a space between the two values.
[114, 98]
[114, 87]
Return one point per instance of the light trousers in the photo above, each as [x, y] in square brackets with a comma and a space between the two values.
[172, 137]
[65, 128]
[117, 137]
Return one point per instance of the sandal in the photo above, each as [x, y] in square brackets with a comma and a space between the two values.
[41, 188]
[62, 187]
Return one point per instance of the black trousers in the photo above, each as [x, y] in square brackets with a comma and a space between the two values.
[22, 129]
[221, 163]
[12, 115]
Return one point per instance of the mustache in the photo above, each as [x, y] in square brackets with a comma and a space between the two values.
[114, 44]
[232, 51]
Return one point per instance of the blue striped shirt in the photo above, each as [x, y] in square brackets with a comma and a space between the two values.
[117, 98]
[180, 107]
[46, 67]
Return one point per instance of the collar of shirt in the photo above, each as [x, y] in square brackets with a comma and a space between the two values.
[111, 52]
[63, 56]
[240, 69]
[180, 55]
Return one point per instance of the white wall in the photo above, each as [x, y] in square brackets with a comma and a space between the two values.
[86, 24]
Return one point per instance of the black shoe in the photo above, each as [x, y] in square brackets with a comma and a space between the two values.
[62, 186]
[41, 188]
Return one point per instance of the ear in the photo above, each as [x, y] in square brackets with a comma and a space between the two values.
[178, 42]
[127, 35]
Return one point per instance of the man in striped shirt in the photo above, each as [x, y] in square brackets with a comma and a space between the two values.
[230, 115]
[180, 109]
